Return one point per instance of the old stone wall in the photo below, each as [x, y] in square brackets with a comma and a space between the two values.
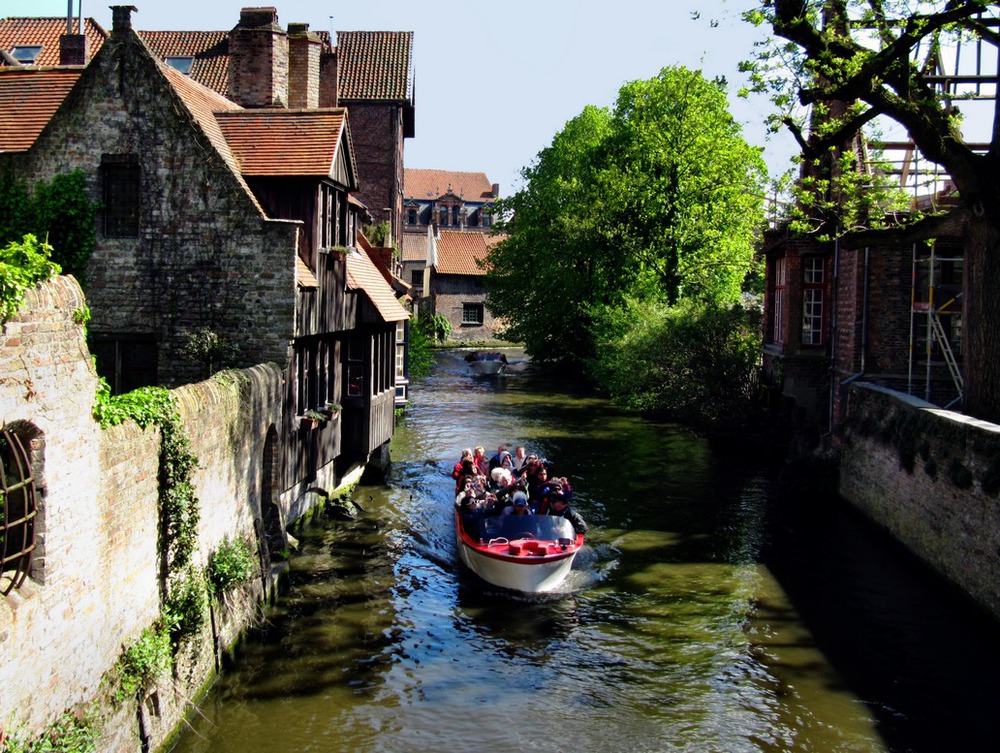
[931, 477]
[94, 585]
[204, 254]
[451, 293]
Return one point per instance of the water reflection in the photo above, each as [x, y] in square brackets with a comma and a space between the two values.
[696, 619]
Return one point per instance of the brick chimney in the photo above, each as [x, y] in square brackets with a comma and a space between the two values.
[329, 84]
[121, 17]
[258, 60]
[496, 190]
[304, 48]
[72, 49]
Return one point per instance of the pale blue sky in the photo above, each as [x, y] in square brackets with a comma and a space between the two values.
[495, 81]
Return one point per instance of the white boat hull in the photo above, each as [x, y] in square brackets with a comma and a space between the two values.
[529, 564]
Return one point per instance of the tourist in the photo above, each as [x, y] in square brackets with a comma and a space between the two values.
[559, 506]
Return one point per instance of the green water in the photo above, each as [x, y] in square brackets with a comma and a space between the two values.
[700, 617]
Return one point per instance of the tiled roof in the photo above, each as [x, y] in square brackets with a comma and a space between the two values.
[414, 247]
[29, 97]
[431, 184]
[458, 252]
[46, 32]
[364, 276]
[283, 142]
[375, 65]
[210, 50]
[304, 276]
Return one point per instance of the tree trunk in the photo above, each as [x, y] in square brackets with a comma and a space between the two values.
[981, 326]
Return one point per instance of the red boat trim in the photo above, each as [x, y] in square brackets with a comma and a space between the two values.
[517, 559]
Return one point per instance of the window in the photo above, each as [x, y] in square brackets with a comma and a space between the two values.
[411, 216]
[121, 195]
[316, 385]
[474, 218]
[181, 63]
[17, 511]
[780, 300]
[487, 220]
[812, 300]
[444, 216]
[26, 54]
[455, 217]
[472, 313]
[417, 280]
[126, 362]
[355, 366]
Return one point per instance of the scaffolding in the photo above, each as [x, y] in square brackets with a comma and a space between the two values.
[939, 326]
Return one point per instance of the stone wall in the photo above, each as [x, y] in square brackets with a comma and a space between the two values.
[94, 586]
[451, 292]
[931, 477]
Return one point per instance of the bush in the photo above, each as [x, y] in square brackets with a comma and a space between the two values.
[23, 265]
[234, 562]
[142, 663]
[697, 363]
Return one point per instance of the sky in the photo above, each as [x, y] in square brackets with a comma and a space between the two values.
[495, 81]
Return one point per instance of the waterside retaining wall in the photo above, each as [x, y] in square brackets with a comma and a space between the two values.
[931, 477]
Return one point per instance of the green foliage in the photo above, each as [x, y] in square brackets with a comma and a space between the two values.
[146, 406]
[59, 211]
[206, 347]
[691, 362]
[71, 733]
[425, 332]
[143, 663]
[22, 266]
[657, 200]
[378, 233]
[233, 563]
[82, 315]
[186, 604]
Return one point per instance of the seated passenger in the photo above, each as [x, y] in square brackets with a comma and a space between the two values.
[519, 505]
[560, 507]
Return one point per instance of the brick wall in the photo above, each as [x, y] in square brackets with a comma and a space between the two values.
[377, 131]
[205, 255]
[931, 478]
[450, 293]
[94, 586]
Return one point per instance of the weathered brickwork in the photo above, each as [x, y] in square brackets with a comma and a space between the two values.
[95, 584]
[378, 149]
[208, 259]
[451, 293]
[932, 479]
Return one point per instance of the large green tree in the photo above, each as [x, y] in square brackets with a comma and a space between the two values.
[657, 199]
[861, 60]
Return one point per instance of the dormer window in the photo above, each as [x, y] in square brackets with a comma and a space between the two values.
[180, 63]
[26, 54]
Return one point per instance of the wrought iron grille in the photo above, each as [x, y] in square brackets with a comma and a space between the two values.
[17, 512]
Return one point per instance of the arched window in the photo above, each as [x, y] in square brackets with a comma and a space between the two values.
[17, 511]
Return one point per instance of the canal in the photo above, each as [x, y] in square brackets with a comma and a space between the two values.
[703, 615]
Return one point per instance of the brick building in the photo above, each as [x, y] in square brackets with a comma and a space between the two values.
[447, 199]
[220, 217]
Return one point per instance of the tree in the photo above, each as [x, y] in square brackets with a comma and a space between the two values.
[656, 200]
[858, 60]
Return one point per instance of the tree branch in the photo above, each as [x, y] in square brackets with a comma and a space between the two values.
[951, 224]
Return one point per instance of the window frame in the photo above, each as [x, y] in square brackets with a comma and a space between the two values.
[813, 301]
[121, 190]
[479, 311]
[779, 309]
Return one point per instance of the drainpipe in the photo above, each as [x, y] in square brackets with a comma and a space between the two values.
[864, 321]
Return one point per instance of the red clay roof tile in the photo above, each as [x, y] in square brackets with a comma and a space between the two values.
[283, 142]
[46, 32]
[210, 50]
[458, 253]
[29, 97]
[423, 184]
[375, 65]
[364, 276]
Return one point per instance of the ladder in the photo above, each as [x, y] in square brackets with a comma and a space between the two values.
[949, 355]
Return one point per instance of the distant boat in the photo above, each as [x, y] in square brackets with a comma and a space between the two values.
[482, 362]
[529, 553]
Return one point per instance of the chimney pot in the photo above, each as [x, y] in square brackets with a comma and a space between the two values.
[72, 49]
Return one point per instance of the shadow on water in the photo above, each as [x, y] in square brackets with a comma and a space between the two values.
[700, 616]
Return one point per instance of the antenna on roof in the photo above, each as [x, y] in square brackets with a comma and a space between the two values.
[69, 16]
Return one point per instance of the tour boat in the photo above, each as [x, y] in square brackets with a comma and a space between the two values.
[486, 363]
[530, 553]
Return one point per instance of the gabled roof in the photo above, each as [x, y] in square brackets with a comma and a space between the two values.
[422, 185]
[29, 97]
[458, 252]
[375, 65]
[16, 32]
[285, 142]
[363, 276]
[210, 50]
[413, 247]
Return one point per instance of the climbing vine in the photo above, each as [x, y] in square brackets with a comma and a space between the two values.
[183, 584]
[23, 265]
